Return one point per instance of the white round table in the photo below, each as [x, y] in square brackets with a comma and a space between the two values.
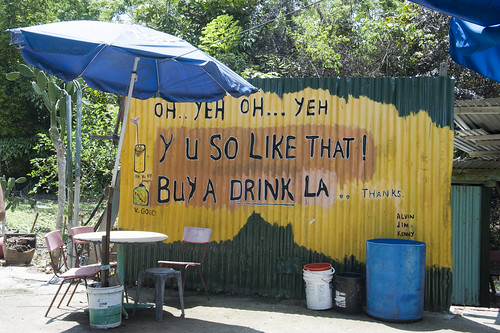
[122, 237]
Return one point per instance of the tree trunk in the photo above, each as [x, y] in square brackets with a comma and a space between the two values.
[61, 173]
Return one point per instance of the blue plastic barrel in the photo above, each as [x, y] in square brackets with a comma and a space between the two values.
[395, 279]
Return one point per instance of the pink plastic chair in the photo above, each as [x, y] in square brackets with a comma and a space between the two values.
[192, 235]
[56, 250]
[79, 249]
[79, 245]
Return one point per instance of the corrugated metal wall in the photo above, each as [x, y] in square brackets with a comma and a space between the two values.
[306, 170]
[470, 207]
[466, 203]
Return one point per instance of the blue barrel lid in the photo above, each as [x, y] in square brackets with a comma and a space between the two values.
[395, 241]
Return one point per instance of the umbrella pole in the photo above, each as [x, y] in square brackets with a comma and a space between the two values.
[105, 261]
[133, 78]
[105, 247]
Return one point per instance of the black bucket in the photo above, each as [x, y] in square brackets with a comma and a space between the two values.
[349, 289]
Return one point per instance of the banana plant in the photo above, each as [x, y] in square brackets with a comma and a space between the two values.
[53, 92]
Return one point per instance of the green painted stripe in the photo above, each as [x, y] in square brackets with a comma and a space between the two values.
[410, 95]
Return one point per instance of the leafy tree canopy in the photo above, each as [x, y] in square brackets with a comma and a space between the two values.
[258, 38]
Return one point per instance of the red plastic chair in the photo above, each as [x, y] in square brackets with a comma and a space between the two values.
[197, 236]
[56, 251]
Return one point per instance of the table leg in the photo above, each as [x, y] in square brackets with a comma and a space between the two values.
[120, 262]
[120, 268]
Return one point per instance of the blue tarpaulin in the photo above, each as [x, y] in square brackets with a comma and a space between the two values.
[476, 47]
[482, 12]
[474, 33]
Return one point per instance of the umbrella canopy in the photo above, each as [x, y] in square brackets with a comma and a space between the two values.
[103, 54]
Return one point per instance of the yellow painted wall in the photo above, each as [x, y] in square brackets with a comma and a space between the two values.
[345, 169]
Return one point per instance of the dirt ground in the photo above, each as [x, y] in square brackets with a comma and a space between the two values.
[25, 295]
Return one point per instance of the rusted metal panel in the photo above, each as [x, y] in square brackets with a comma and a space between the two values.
[305, 170]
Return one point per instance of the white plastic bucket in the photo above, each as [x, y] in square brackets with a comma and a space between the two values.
[105, 305]
[318, 279]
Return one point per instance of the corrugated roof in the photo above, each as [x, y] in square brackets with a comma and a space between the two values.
[477, 129]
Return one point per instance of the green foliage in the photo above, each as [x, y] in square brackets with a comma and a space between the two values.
[26, 71]
[187, 18]
[19, 114]
[13, 76]
[397, 42]
[12, 148]
[13, 152]
[67, 10]
[11, 201]
[109, 10]
[495, 221]
[220, 36]
[22, 113]
[258, 38]
[160, 15]
[370, 38]
[319, 40]
[254, 73]
[97, 156]
[44, 166]
[53, 92]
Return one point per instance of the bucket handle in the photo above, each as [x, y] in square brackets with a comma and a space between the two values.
[355, 293]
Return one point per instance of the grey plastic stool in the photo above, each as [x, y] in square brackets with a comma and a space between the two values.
[160, 275]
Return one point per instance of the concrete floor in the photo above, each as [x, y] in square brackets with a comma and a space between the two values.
[25, 295]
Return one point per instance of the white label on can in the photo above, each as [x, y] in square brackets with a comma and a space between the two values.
[340, 299]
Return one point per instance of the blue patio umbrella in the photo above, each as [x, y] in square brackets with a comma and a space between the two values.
[130, 60]
[104, 53]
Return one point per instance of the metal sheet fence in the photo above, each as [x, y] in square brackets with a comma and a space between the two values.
[306, 170]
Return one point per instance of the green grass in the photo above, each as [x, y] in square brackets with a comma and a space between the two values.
[23, 217]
